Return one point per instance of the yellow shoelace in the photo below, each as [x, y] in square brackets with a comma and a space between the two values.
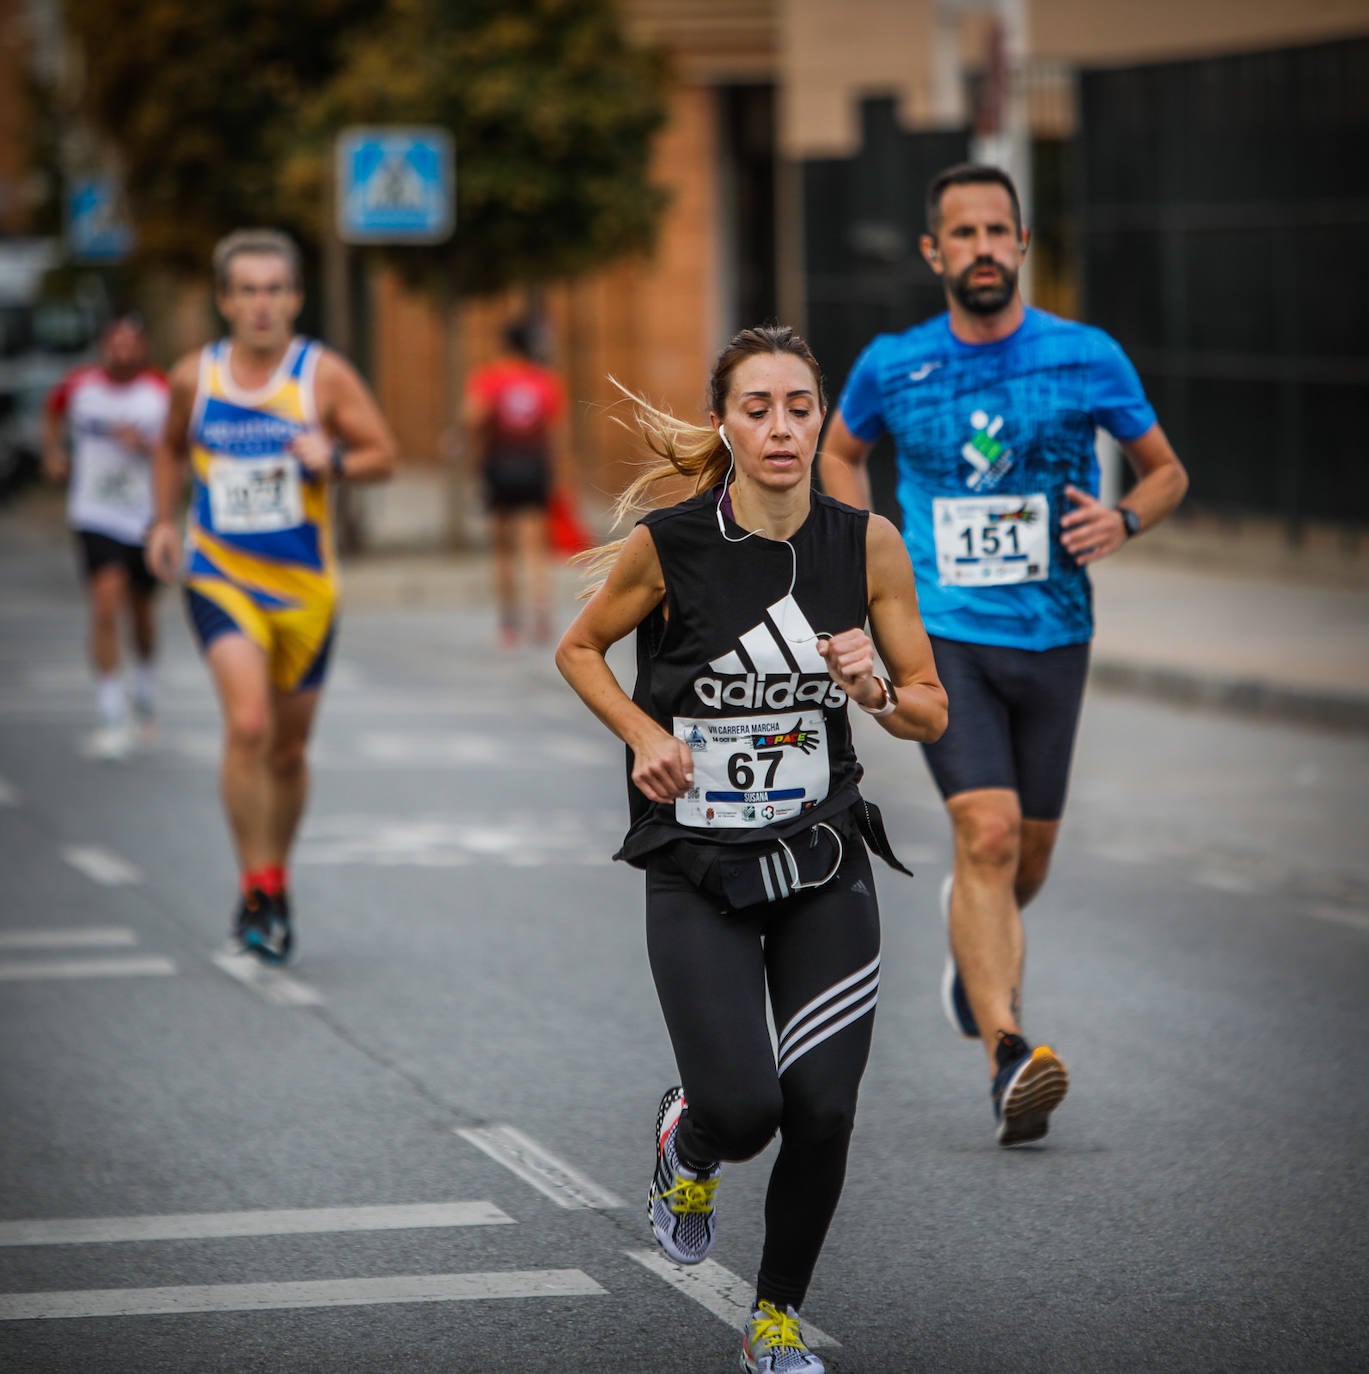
[777, 1330]
[690, 1195]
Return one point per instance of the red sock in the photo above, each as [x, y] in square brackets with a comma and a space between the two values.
[269, 879]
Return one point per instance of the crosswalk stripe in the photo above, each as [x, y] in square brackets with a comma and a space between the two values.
[274, 984]
[718, 1290]
[565, 1185]
[8, 795]
[75, 937]
[23, 970]
[263, 1297]
[101, 865]
[280, 1222]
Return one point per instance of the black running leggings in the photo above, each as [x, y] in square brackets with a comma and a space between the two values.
[819, 952]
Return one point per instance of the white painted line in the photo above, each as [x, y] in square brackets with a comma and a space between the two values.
[75, 937]
[22, 970]
[271, 983]
[266, 1297]
[1353, 917]
[719, 1290]
[100, 865]
[565, 1185]
[9, 796]
[218, 1225]
[1220, 880]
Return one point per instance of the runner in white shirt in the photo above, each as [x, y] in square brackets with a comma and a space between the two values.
[111, 415]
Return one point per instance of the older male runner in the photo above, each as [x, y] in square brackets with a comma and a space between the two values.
[269, 424]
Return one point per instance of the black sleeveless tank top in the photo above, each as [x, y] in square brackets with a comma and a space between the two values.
[733, 670]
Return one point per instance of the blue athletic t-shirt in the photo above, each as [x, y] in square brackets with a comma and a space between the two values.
[988, 437]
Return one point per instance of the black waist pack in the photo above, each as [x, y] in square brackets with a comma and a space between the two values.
[747, 875]
[780, 868]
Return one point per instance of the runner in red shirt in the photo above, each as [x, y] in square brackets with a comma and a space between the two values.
[512, 405]
[111, 415]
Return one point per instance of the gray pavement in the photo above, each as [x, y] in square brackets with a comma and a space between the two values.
[476, 966]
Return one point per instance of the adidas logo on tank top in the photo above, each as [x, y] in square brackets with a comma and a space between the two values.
[775, 666]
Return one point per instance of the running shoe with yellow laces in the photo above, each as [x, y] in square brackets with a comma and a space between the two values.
[1029, 1085]
[772, 1343]
[680, 1201]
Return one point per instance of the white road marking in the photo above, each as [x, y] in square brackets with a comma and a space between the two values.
[274, 984]
[554, 1178]
[266, 1297]
[101, 865]
[218, 1225]
[76, 937]
[437, 840]
[24, 970]
[719, 1290]
[9, 796]
[1355, 918]
[1221, 880]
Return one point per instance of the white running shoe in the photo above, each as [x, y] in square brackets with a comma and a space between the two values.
[772, 1343]
[110, 742]
[680, 1202]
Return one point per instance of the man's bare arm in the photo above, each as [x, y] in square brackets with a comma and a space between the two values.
[352, 421]
[843, 468]
[170, 459]
[1091, 530]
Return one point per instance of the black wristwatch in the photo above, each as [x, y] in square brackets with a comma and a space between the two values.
[1130, 520]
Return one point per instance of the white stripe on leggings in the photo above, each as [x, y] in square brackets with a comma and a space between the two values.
[800, 1034]
[797, 1052]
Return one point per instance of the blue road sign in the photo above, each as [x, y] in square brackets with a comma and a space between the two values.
[98, 227]
[395, 185]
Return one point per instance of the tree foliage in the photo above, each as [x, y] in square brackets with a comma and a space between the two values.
[226, 115]
[202, 102]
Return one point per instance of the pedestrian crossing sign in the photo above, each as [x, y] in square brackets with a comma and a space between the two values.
[97, 220]
[395, 185]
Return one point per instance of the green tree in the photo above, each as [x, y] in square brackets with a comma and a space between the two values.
[203, 103]
[226, 115]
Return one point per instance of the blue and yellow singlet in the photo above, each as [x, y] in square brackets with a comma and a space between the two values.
[260, 559]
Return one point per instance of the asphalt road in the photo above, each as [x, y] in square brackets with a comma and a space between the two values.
[426, 1148]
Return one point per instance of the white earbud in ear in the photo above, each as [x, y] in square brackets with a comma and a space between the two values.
[722, 434]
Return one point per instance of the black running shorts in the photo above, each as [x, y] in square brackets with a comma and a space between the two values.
[1013, 716]
[97, 551]
[517, 481]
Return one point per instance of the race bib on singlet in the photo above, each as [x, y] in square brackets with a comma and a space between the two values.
[121, 486]
[255, 495]
[753, 770]
[991, 541]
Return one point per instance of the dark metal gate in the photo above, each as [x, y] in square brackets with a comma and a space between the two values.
[862, 270]
[1224, 231]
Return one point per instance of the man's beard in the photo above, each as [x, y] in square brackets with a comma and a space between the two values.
[985, 300]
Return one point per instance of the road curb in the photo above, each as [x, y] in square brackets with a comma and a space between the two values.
[1328, 710]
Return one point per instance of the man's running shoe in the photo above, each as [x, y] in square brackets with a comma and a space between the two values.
[953, 1000]
[772, 1343]
[111, 742]
[1029, 1085]
[262, 926]
[680, 1201]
